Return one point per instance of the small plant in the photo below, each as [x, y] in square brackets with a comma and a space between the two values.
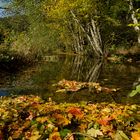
[136, 91]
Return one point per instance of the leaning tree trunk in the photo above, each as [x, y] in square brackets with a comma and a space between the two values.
[134, 19]
[92, 35]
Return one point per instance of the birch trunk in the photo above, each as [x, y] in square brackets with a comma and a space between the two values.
[93, 37]
[96, 37]
[134, 19]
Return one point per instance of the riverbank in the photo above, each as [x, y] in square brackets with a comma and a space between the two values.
[30, 117]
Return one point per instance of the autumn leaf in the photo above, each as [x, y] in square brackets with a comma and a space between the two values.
[120, 135]
[66, 85]
[61, 120]
[135, 136]
[55, 136]
[75, 111]
[105, 121]
[16, 134]
[61, 90]
[94, 132]
[83, 127]
[46, 120]
[42, 119]
[137, 126]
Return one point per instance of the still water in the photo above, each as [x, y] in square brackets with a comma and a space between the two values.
[38, 79]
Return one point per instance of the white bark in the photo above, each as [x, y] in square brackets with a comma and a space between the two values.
[135, 21]
[96, 36]
[94, 39]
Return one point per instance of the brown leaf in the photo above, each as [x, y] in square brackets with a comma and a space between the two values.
[61, 120]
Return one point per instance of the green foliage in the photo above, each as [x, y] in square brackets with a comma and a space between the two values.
[134, 92]
[49, 25]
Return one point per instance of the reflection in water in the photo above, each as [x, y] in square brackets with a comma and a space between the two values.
[4, 93]
[84, 69]
[137, 82]
[38, 79]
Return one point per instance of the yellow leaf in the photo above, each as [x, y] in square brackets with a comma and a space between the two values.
[42, 119]
[61, 120]
[55, 136]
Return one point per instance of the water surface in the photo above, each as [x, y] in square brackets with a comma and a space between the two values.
[38, 79]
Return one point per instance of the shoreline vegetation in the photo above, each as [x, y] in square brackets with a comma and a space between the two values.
[9, 56]
[92, 28]
[31, 118]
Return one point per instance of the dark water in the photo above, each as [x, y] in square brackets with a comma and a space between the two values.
[38, 79]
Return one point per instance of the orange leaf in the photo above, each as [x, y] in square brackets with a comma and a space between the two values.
[135, 136]
[75, 112]
[105, 121]
[61, 120]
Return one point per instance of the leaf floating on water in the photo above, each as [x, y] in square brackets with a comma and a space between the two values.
[73, 86]
[61, 90]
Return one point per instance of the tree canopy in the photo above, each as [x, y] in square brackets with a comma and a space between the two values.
[81, 26]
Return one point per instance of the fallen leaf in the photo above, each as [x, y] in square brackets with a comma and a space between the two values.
[105, 121]
[135, 136]
[94, 132]
[55, 136]
[120, 135]
[75, 111]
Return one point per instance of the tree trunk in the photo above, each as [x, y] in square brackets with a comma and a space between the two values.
[134, 19]
[93, 35]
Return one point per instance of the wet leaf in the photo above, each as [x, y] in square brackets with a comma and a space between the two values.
[66, 85]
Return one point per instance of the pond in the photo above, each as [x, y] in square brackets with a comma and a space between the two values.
[39, 78]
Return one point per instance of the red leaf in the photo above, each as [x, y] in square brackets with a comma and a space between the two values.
[75, 112]
[105, 121]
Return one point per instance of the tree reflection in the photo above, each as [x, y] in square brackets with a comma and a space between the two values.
[85, 69]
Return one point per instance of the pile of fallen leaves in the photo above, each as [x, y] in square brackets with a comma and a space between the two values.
[73, 86]
[31, 118]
